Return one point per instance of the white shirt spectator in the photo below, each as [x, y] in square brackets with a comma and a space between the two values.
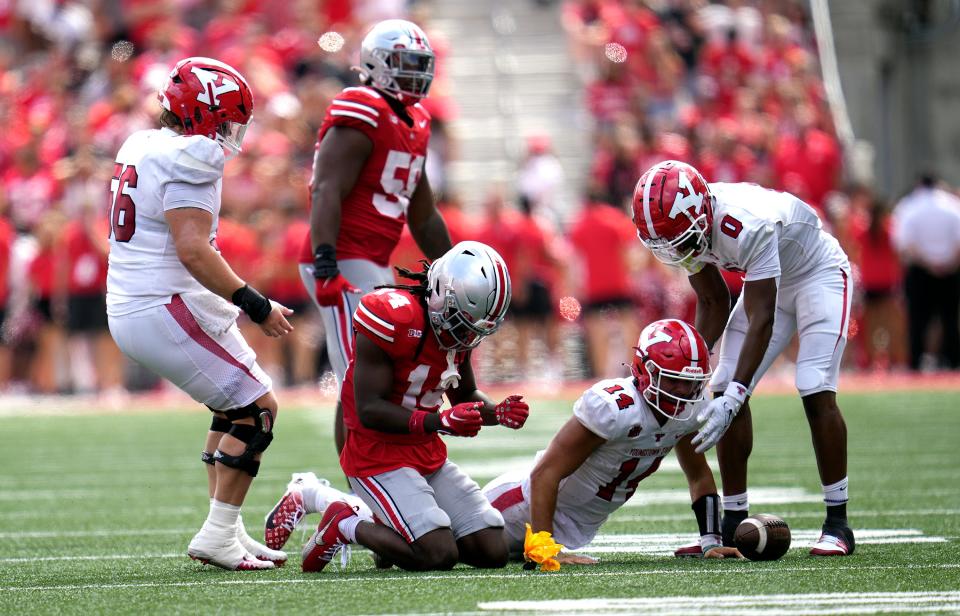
[926, 228]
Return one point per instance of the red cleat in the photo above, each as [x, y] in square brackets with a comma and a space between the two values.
[283, 519]
[689, 551]
[328, 540]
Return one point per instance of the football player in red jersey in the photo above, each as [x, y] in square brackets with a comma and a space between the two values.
[413, 347]
[368, 180]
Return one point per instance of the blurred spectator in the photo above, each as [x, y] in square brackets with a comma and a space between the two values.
[926, 233]
[46, 306]
[605, 243]
[96, 363]
[880, 280]
[6, 249]
[540, 178]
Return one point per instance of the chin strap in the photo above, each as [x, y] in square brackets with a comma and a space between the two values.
[450, 377]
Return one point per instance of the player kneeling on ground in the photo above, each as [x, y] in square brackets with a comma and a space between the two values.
[620, 432]
[168, 286]
[413, 346]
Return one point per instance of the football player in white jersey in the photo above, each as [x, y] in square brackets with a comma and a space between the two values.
[796, 280]
[620, 432]
[168, 290]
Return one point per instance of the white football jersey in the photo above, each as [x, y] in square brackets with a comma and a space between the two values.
[765, 233]
[636, 444]
[156, 170]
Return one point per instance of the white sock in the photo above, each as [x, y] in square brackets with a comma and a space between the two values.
[311, 496]
[836, 493]
[348, 528]
[222, 516]
[736, 502]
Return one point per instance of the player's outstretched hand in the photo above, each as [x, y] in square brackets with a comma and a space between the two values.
[724, 552]
[512, 412]
[714, 421]
[462, 419]
[330, 291]
[566, 558]
[276, 324]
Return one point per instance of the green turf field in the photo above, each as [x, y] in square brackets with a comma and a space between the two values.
[96, 512]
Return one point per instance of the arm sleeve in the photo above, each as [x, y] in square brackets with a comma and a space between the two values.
[183, 194]
[594, 412]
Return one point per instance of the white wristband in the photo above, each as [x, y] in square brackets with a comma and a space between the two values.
[737, 391]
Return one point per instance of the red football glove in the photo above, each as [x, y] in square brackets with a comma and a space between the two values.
[329, 290]
[512, 412]
[461, 420]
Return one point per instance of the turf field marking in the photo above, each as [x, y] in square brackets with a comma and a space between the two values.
[723, 605]
[33, 559]
[788, 515]
[758, 496]
[663, 544]
[416, 579]
[44, 534]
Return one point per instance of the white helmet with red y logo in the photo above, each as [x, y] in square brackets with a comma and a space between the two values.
[211, 99]
[673, 211]
[396, 58]
[671, 365]
[468, 292]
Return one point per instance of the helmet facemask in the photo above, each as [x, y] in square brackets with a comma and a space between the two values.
[230, 137]
[674, 394]
[687, 245]
[454, 329]
[406, 74]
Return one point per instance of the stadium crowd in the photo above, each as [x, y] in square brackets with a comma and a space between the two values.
[732, 87]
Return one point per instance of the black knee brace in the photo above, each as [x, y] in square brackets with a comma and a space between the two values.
[218, 424]
[257, 438]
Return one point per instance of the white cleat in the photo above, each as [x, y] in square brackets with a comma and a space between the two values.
[224, 551]
[257, 550]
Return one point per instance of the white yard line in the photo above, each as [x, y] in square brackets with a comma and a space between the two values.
[335, 578]
[788, 604]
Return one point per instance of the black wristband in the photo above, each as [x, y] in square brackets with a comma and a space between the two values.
[707, 510]
[250, 301]
[325, 262]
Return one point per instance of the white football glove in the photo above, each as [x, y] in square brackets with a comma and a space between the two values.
[718, 415]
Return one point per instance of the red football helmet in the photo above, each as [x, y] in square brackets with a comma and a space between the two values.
[211, 99]
[671, 365]
[673, 211]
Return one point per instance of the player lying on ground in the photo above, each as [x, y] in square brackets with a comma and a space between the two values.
[796, 280]
[413, 346]
[368, 180]
[620, 432]
[168, 286]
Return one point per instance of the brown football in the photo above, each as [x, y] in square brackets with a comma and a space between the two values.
[763, 537]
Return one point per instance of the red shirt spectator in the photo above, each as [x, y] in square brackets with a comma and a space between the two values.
[87, 261]
[601, 236]
[285, 285]
[6, 245]
[879, 265]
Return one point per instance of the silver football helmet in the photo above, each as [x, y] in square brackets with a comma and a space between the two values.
[468, 295]
[396, 57]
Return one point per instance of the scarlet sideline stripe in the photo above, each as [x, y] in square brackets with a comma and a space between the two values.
[182, 315]
[843, 315]
[374, 491]
[359, 116]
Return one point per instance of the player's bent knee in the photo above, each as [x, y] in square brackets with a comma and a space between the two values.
[492, 518]
[256, 437]
[810, 381]
[436, 518]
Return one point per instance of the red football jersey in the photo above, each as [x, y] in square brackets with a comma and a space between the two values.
[374, 212]
[396, 321]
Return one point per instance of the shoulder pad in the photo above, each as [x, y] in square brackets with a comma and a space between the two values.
[385, 315]
[359, 108]
[597, 412]
[193, 159]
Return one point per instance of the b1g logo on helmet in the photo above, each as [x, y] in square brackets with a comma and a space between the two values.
[210, 94]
